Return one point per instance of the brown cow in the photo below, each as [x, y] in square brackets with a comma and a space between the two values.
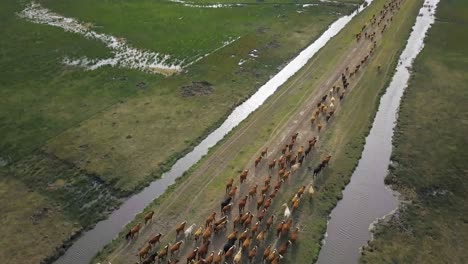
[227, 209]
[198, 233]
[255, 228]
[260, 201]
[134, 230]
[281, 173]
[242, 204]
[326, 161]
[273, 194]
[257, 160]
[283, 150]
[175, 248]
[180, 227]
[248, 221]
[232, 235]
[219, 221]
[312, 119]
[243, 236]
[286, 226]
[294, 137]
[149, 216]
[261, 215]
[293, 160]
[221, 226]
[264, 152]
[155, 239]
[300, 151]
[246, 243]
[203, 249]
[267, 181]
[207, 233]
[144, 251]
[267, 204]
[232, 192]
[252, 254]
[284, 248]
[279, 227]
[295, 205]
[278, 185]
[272, 164]
[294, 234]
[217, 259]
[260, 236]
[192, 255]
[243, 175]
[270, 221]
[245, 217]
[163, 252]
[229, 184]
[230, 252]
[301, 190]
[210, 219]
[266, 253]
[253, 191]
[273, 256]
[210, 258]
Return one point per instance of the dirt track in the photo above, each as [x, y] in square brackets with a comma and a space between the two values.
[209, 171]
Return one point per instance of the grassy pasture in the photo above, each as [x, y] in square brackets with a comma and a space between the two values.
[269, 1]
[32, 226]
[131, 143]
[430, 152]
[344, 138]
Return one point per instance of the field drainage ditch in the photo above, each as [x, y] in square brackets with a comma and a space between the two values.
[366, 199]
[88, 245]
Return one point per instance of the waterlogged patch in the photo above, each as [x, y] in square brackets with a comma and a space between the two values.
[217, 5]
[124, 55]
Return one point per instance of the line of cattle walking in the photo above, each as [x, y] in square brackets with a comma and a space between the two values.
[250, 234]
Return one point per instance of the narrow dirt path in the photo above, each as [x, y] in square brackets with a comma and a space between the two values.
[209, 171]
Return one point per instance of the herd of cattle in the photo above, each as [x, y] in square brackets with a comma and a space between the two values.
[249, 232]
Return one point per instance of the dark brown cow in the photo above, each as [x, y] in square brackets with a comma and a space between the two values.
[149, 216]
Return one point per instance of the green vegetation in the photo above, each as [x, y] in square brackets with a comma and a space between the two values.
[32, 227]
[344, 139]
[430, 154]
[131, 143]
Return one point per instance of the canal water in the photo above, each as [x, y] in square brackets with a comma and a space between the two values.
[366, 198]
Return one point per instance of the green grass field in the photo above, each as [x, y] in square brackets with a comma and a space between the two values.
[344, 138]
[430, 152]
[131, 143]
[64, 129]
[32, 226]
